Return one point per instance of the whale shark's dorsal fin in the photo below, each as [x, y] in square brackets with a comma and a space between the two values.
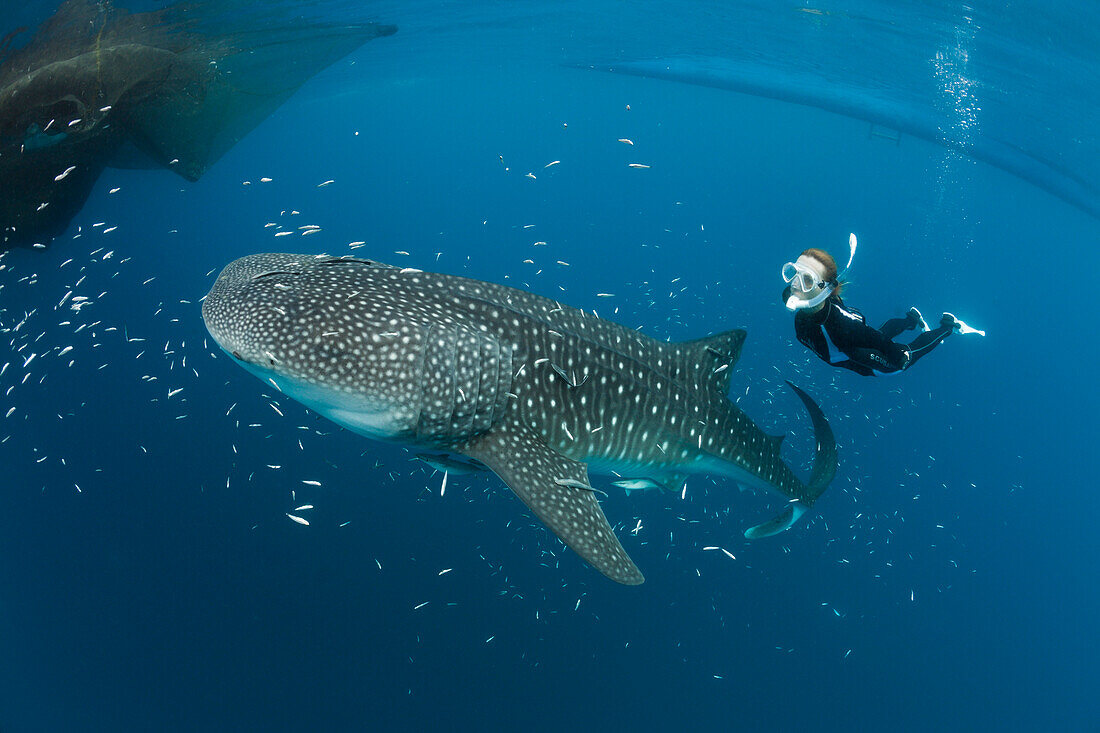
[707, 363]
[557, 490]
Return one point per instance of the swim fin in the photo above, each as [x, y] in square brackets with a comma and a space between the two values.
[949, 319]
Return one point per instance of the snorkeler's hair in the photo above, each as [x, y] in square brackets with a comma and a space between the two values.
[828, 262]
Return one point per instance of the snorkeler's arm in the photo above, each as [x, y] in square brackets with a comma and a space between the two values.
[813, 337]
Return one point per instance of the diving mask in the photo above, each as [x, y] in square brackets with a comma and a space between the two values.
[803, 278]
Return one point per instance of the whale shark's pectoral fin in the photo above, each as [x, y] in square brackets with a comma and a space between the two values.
[449, 464]
[557, 490]
[784, 520]
[673, 481]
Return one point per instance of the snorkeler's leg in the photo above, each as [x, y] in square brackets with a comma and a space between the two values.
[878, 360]
[915, 316]
[894, 326]
[913, 319]
[924, 343]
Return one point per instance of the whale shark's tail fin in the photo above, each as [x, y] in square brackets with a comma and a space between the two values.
[784, 520]
[825, 459]
[823, 471]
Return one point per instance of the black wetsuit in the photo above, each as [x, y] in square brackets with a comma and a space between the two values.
[868, 349]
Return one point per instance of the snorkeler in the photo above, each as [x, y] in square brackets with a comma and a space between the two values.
[813, 293]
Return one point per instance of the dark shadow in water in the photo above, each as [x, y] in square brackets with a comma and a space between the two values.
[814, 91]
[97, 85]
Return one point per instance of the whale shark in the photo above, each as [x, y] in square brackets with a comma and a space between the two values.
[491, 377]
[98, 86]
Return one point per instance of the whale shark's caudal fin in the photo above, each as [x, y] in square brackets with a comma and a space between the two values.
[784, 520]
[825, 459]
[823, 471]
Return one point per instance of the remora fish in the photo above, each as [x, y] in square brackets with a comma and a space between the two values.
[531, 388]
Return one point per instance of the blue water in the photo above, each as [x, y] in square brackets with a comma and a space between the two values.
[152, 581]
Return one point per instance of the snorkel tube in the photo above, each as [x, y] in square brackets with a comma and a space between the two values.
[795, 303]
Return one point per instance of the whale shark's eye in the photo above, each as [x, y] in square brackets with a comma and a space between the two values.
[237, 356]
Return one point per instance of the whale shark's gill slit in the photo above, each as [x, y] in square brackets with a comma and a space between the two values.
[271, 273]
[348, 261]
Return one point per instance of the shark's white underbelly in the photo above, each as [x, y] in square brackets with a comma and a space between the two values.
[377, 421]
[393, 423]
[702, 465]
